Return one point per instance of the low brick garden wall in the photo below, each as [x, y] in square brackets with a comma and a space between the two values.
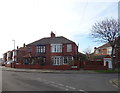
[62, 67]
[95, 66]
[85, 66]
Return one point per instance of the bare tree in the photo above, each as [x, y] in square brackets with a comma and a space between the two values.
[107, 31]
[88, 53]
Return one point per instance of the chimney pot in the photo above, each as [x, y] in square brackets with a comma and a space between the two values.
[24, 45]
[17, 47]
[52, 34]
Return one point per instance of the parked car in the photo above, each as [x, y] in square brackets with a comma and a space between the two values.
[10, 61]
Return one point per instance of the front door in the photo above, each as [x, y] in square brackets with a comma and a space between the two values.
[109, 62]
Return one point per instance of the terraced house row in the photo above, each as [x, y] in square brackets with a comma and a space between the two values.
[53, 50]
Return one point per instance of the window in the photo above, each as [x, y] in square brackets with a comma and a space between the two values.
[69, 48]
[59, 60]
[67, 59]
[40, 49]
[57, 48]
[97, 51]
[101, 51]
[29, 49]
[109, 50]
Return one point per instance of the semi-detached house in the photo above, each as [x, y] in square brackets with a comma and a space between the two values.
[106, 50]
[53, 50]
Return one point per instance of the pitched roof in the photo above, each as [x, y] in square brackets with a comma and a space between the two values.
[105, 45]
[50, 40]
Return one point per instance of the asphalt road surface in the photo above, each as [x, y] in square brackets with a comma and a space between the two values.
[23, 81]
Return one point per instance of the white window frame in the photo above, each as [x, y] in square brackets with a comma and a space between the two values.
[109, 50]
[68, 59]
[40, 49]
[56, 48]
[61, 60]
[69, 47]
[97, 51]
[57, 60]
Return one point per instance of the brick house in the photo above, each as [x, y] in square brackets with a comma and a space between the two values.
[8, 57]
[18, 54]
[105, 51]
[51, 51]
[4, 57]
[46, 51]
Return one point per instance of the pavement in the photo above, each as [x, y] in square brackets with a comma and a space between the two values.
[48, 71]
[115, 82]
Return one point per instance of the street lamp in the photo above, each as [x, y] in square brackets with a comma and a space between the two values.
[14, 44]
[14, 51]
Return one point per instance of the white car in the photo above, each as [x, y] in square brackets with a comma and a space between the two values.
[10, 61]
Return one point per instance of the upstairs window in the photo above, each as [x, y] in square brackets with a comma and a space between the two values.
[57, 48]
[97, 51]
[69, 48]
[40, 49]
[109, 50]
[29, 49]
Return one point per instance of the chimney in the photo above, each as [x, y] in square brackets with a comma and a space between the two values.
[24, 45]
[52, 34]
[95, 47]
[17, 47]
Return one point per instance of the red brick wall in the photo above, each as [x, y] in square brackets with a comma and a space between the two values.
[117, 50]
[95, 66]
[63, 67]
[74, 51]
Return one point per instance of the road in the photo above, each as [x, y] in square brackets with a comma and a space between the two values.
[23, 81]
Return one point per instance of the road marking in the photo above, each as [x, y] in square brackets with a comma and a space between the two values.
[66, 89]
[59, 85]
[51, 82]
[70, 87]
[81, 90]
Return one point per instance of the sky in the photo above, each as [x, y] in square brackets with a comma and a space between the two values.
[26, 21]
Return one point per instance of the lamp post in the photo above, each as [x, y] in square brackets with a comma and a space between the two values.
[14, 44]
[14, 51]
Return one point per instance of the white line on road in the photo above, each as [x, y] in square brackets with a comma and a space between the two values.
[59, 85]
[66, 89]
[70, 87]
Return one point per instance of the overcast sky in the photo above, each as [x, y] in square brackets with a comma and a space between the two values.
[28, 20]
